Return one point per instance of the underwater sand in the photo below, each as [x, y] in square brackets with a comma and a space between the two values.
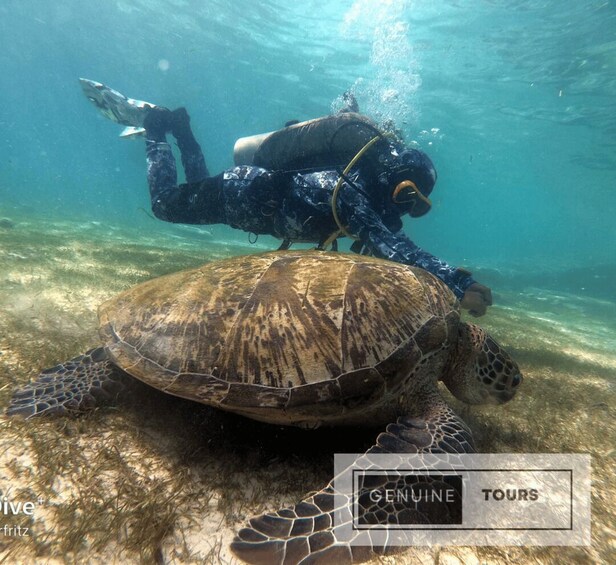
[162, 480]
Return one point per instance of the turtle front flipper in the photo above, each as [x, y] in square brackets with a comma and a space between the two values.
[74, 386]
[304, 533]
[442, 431]
[300, 534]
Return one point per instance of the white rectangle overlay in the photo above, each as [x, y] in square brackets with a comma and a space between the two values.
[506, 499]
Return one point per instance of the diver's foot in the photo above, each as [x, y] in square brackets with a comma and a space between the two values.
[158, 122]
[180, 123]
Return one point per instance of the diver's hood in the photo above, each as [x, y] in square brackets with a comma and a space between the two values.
[411, 178]
[416, 166]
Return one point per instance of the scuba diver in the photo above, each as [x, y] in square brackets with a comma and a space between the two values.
[316, 181]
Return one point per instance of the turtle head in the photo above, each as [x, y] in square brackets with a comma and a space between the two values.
[480, 371]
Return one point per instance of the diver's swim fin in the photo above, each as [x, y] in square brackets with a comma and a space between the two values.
[117, 107]
[131, 132]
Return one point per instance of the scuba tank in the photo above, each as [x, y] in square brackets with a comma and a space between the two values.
[245, 148]
[330, 141]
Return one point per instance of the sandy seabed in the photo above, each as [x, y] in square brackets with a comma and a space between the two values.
[156, 479]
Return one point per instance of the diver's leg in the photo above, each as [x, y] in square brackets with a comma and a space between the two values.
[200, 200]
[161, 173]
[193, 161]
[161, 168]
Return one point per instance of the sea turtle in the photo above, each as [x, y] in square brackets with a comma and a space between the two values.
[302, 338]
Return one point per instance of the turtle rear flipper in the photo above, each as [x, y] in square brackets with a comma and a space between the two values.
[304, 533]
[74, 386]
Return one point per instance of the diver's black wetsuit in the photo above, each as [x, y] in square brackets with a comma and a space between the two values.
[287, 205]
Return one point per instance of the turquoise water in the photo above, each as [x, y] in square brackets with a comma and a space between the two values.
[515, 101]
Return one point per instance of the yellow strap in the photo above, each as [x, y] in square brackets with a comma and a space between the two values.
[410, 184]
[342, 230]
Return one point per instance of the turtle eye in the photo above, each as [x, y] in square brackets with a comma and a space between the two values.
[516, 380]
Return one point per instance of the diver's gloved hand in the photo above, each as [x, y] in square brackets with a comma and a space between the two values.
[476, 299]
[157, 122]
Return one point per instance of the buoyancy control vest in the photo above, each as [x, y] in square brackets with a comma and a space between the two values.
[330, 141]
[338, 141]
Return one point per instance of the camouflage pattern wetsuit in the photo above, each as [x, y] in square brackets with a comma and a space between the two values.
[287, 205]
